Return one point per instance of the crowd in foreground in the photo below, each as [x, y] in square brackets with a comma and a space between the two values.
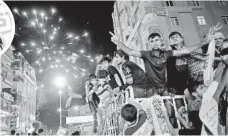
[182, 90]
[196, 72]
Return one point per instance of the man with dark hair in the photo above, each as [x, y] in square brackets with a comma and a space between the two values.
[12, 132]
[134, 75]
[177, 72]
[137, 121]
[75, 133]
[129, 113]
[40, 131]
[155, 59]
[114, 76]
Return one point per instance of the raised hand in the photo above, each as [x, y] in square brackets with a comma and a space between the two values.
[212, 32]
[114, 39]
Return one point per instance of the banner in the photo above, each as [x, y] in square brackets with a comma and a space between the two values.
[209, 109]
[208, 72]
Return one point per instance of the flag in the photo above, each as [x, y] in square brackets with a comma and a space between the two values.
[208, 72]
[209, 114]
[71, 95]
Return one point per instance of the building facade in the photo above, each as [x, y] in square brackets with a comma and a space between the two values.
[6, 85]
[19, 81]
[133, 21]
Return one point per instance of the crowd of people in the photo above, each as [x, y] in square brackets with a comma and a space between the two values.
[171, 70]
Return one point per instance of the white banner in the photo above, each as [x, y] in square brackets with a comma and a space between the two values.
[79, 119]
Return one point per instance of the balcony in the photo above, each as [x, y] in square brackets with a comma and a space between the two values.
[5, 107]
[6, 77]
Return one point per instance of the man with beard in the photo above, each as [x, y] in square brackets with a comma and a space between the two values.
[155, 59]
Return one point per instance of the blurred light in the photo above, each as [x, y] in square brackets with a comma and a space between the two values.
[41, 70]
[59, 110]
[52, 10]
[33, 44]
[41, 25]
[60, 92]
[42, 14]
[57, 60]
[39, 51]
[43, 43]
[15, 10]
[76, 108]
[89, 56]
[46, 18]
[44, 31]
[22, 44]
[52, 66]
[60, 52]
[74, 67]
[62, 48]
[44, 59]
[24, 13]
[61, 65]
[37, 62]
[42, 86]
[33, 23]
[85, 34]
[82, 51]
[70, 35]
[67, 71]
[69, 43]
[60, 19]
[51, 37]
[27, 51]
[34, 11]
[54, 52]
[92, 60]
[60, 82]
[77, 37]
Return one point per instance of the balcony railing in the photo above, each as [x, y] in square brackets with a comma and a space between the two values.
[111, 119]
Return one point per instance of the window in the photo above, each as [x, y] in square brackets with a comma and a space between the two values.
[221, 2]
[132, 3]
[225, 19]
[201, 20]
[195, 3]
[169, 3]
[174, 21]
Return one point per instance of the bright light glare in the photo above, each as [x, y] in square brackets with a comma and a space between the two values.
[82, 51]
[85, 34]
[76, 108]
[60, 82]
[59, 110]
[53, 10]
[15, 10]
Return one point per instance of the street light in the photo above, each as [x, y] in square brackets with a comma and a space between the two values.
[60, 83]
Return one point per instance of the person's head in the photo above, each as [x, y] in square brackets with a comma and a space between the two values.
[40, 130]
[219, 39]
[201, 89]
[129, 113]
[121, 56]
[105, 62]
[12, 132]
[175, 38]
[92, 79]
[155, 41]
[75, 133]
[17, 134]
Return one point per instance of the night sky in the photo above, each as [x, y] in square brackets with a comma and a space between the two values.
[92, 16]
